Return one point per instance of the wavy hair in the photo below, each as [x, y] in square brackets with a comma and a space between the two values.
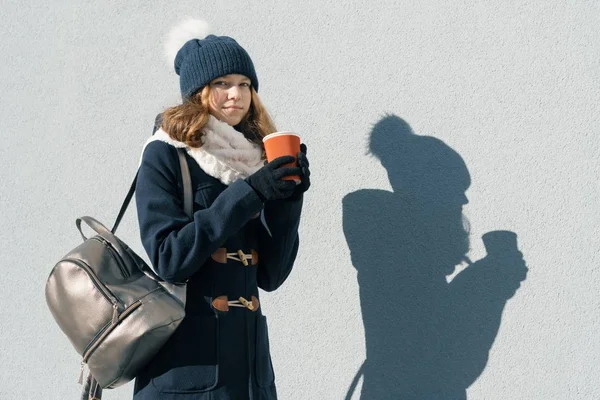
[185, 121]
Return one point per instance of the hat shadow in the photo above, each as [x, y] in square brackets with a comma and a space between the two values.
[426, 338]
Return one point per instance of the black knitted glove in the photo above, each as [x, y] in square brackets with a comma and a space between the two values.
[267, 182]
[305, 174]
[303, 164]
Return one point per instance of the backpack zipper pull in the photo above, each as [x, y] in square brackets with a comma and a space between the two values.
[80, 380]
[115, 316]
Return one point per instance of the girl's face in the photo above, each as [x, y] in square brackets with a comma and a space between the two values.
[230, 98]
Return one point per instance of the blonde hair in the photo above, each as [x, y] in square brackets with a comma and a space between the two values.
[185, 121]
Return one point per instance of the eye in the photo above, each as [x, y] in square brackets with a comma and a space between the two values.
[245, 84]
[220, 84]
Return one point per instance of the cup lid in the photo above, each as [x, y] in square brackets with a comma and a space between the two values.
[276, 134]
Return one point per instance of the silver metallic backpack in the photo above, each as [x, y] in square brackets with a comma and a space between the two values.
[114, 309]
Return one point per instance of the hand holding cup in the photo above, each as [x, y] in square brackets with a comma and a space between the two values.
[280, 144]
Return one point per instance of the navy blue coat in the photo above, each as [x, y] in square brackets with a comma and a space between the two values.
[213, 354]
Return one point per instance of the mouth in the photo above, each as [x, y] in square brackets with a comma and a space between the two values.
[232, 108]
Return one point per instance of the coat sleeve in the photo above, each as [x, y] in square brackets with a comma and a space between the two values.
[278, 250]
[178, 247]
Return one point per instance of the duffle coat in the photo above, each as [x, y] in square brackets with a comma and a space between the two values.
[220, 355]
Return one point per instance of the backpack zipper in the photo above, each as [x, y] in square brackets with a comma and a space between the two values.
[99, 285]
[111, 299]
[117, 318]
[114, 254]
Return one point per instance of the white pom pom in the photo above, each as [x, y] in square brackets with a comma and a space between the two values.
[180, 34]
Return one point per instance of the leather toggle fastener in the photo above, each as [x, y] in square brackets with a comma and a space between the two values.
[221, 256]
[221, 303]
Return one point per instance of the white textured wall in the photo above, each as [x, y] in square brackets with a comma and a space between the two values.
[512, 87]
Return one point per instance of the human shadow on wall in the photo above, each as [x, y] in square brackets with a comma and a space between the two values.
[425, 338]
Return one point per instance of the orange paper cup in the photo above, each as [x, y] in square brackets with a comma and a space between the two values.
[283, 144]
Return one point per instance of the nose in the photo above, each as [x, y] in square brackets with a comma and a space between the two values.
[235, 93]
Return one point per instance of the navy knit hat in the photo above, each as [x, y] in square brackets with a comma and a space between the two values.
[199, 61]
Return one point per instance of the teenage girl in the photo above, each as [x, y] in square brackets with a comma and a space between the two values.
[244, 231]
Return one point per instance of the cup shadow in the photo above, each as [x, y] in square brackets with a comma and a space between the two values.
[426, 338]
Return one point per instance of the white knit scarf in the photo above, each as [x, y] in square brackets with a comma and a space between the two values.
[225, 154]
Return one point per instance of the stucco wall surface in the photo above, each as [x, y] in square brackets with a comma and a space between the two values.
[409, 110]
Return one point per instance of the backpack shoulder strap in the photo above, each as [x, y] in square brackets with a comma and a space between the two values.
[185, 178]
[187, 183]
